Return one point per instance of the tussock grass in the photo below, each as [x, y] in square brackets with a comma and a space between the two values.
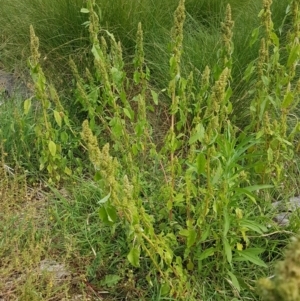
[59, 27]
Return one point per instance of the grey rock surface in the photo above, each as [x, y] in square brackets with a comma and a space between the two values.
[10, 83]
[284, 209]
[6, 83]
[57, 269]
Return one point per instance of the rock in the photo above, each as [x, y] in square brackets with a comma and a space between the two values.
[11, 84]
[282, 219]
[285, 209]
[58, 270]
[6, 83]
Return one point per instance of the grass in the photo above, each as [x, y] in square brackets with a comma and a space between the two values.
[151, 186]
[66, 35]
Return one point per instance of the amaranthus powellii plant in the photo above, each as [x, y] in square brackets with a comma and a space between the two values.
[209, 167]
[50, 139]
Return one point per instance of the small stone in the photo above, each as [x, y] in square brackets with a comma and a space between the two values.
[285, 209]
[59, 270]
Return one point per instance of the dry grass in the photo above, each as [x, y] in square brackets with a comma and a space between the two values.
[30, 267]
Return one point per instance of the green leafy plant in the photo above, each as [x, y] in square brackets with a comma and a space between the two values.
[209, 167]
[176, 205]
[51, 140]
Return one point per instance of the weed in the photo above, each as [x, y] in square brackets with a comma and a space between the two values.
[183, 219]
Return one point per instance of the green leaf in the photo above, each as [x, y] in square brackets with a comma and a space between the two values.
[135, 149]
[205, 233]
[206, 253]
[249, 71]
[108, 215]
[93, 96]
[178, 200]
[217, 174]
[66, 120]
[86, 24]
[68, 171]
[287, 101]
[104, 200]
[139, 129]
[27, 105]
[260, 167]
[259, 134]
[258, 187]
[198, 135]
[192, 234]
[103, 215]
[117, 75]
[97, 176]
[294, 55]
[168, 255]
[265, 80]
[136, 77]
[127, 113]
[123, 96]
[234, 281]
[169, 205]
[57, 118]
[41, 81]
[111, 214]
[154, 97]
[165, 288]
[254, 36]
[226, 222]
[95, 52]
[270, 155]
[84, 11]
[255, 251]
[134, 257]
[149, 280]
[190, 265]
[250, 255]
[172, 63]
[117, 127]
[284, 141]
[227, 96]
[274, 38]
[256, 227]
[147, 73]
[201, 163]
[110, 280]
[64, 137]
[228, 250]
[244, 191]
[52, 148]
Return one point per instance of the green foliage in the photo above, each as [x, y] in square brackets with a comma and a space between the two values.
[17, 136]
[53, 132]
[210, 170]
[191, 208]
